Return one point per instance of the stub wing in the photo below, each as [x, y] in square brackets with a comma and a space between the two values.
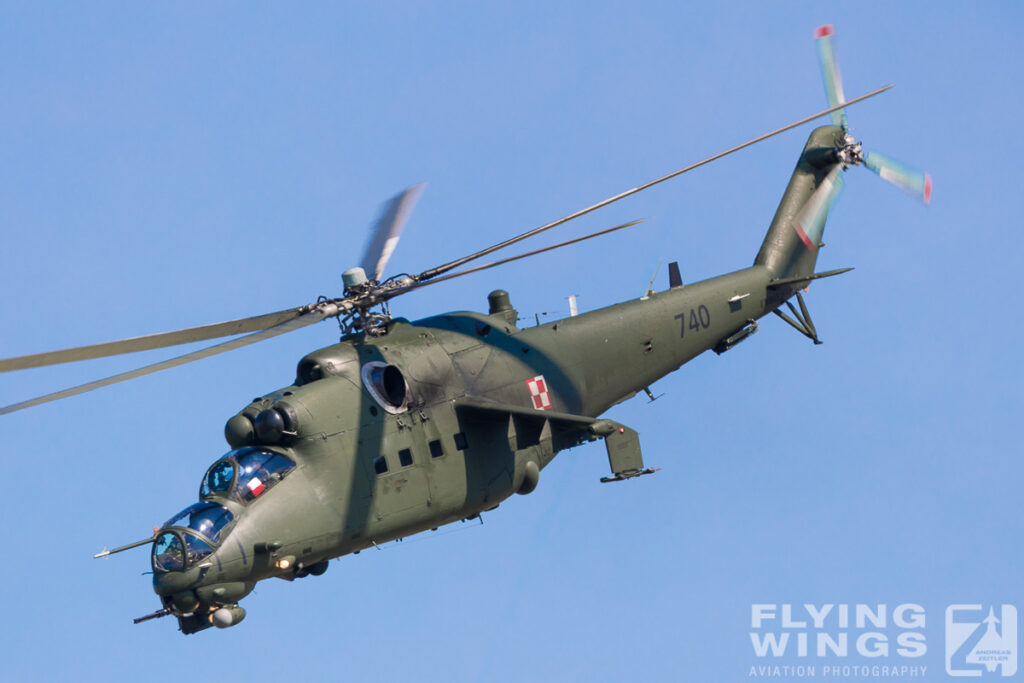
[554, 430]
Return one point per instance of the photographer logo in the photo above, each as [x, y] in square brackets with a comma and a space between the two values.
[981, 640]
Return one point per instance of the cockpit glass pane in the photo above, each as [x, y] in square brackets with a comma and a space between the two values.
[208, 519]
[218, 479]
[197, 548]
[167, 553]
[259, 470]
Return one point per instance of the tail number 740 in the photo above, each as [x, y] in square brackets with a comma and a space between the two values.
[696, 320]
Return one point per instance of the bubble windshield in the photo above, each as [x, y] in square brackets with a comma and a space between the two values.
[245, 474]
[196, 548]
[258, 471]
[218, 479]
[168, 555]
[208, 519]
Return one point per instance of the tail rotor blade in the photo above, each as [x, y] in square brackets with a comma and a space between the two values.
[911, 181]
[830, 73]
[810, 221]
[388, 228]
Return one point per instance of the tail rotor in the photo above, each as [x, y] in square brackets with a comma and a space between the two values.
[790, 248]
[912, 181]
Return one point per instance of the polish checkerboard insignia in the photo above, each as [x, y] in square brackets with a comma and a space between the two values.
[539, 392]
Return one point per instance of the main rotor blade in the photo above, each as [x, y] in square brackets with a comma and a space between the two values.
[493, 264]
[830, 73]
[151, 341]
[387, 230]
[810, 221]
[434, 272]
[325, 310]
[911, 181]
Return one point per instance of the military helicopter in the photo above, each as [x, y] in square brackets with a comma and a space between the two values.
[403, 427]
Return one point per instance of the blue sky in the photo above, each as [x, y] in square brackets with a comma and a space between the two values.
[162, 169]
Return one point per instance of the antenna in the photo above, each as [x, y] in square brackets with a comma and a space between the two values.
[650, 285]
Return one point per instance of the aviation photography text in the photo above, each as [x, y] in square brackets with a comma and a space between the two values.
[838, 641]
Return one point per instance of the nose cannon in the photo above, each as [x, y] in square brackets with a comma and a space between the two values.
[201, 607]
[192, 622]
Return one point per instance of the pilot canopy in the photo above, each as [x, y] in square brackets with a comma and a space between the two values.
[245, 474]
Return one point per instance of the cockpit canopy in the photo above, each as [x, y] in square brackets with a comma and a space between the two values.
[245, 474]
[242, 476]
[200, 527]
[209, 519]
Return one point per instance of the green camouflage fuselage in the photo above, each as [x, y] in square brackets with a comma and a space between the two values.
[487, 406]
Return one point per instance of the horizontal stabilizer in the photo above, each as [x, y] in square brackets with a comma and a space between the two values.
[802, 280]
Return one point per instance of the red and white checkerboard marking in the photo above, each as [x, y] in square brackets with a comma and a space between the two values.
[539, 392]
[256, 486]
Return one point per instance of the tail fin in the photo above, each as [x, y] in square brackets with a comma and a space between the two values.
[789, 249]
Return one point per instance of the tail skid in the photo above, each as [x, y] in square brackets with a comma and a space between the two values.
[802, 323]
[800, 320]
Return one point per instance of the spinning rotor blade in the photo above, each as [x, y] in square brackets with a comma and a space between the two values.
[314, 315]
[911, 181]
[151, 341]
[830, 74]
[493, 264]
[810, 221]
[385, 234]
[907, 179]
[434, 272]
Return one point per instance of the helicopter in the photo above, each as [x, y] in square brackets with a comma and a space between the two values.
[406, 426]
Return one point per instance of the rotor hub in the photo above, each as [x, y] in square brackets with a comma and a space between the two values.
[850, 153]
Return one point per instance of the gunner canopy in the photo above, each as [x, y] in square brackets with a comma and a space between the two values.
[201, 526]
[209, 519]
